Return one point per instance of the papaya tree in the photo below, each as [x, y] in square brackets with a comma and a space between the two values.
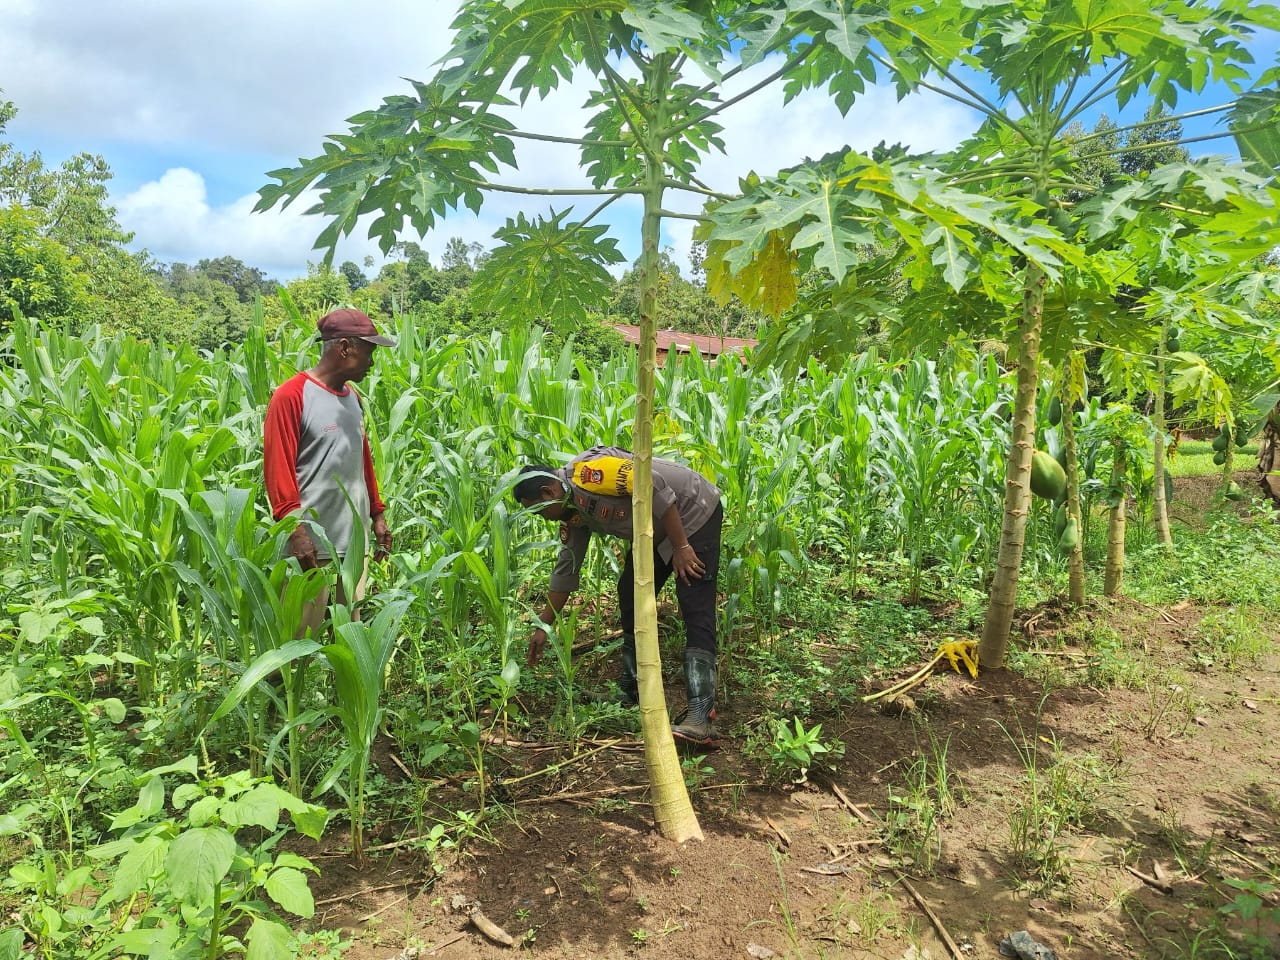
[1104, 158]
[657, 70]
[1116, 444]
[993, 233]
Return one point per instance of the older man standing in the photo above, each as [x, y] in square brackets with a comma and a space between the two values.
[316, 454]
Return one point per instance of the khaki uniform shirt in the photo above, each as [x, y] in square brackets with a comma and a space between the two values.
[695, 499]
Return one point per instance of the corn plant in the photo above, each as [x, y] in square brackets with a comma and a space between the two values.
[359, 656]
[255, 605]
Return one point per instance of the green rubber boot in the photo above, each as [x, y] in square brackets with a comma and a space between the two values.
[700, 682]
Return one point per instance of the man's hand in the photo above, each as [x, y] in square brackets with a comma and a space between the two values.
[686, 564]
[303, 547]
[381, 537]
[537, 643]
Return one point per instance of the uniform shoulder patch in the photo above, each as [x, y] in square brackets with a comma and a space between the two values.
[608, 475]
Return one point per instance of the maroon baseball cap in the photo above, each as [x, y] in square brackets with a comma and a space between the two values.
[351, 323]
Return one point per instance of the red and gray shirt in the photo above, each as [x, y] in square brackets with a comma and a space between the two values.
[315, 455]
[695, 499]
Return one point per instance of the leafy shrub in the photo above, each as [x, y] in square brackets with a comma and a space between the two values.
[188, 882]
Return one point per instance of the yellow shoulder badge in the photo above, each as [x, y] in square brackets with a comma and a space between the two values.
[610, 476]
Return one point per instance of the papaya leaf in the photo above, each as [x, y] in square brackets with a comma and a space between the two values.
[547, 268]
[1255, 124]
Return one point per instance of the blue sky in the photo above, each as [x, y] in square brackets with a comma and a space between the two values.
[192, 103]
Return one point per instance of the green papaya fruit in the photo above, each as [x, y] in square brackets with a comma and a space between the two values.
[1219, 443]
[1220, 458]
[1060, 520]
[1055, 412]
[1048, 479]
[1242, 438]
[1173, 345]
[1061, 456]
[1234, 491]
[1070, 538]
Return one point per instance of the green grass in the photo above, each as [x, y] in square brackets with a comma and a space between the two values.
[1195, 459]
[1232, 561]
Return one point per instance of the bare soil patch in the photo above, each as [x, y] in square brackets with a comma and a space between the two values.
[1185, 791]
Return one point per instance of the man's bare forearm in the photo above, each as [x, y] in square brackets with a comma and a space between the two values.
[556, 600]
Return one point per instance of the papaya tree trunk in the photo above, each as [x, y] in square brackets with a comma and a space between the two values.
[672, 811]
[1017, 478]
[1160, 502]
[1114, 575]
[1071, 456]
[1267, 454]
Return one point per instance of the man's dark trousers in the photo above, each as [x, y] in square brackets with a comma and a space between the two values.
[697, 599]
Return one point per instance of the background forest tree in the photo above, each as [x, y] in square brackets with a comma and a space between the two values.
[65, 259]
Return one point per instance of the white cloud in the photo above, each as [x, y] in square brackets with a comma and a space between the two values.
[198, 96]
[174, 220]
[266, 77]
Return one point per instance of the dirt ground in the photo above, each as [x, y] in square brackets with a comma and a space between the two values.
[1181, 773]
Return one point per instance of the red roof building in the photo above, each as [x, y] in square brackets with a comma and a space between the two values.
[676, 341]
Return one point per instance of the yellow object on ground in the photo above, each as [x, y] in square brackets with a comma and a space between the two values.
[956, 651]
[961, 651]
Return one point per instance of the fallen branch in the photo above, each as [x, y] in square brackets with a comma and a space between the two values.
[862, 843]
[827, 869]
[928, 912]
[851, 806]
[933, 917]
[1151, 881]
[614, 791]
[493, 740]
[446, 942]
[786, 841]
[359, 893]
[557, 767]
[583, 795]
[618, 744]
[1073, 654]
[400, 764]
[369, 916]
[490, 929]
[591, 642]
